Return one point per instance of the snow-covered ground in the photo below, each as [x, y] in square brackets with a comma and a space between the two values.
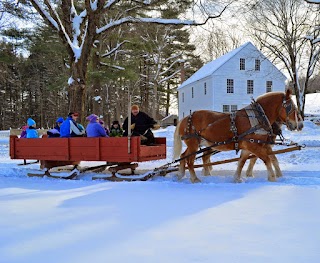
[165, 220]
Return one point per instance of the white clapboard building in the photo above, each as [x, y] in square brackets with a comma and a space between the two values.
[229, 82]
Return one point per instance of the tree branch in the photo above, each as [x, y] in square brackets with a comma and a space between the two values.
[161, 21]
[45, 15]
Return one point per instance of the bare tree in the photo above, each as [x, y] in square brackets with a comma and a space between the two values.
[215, 42]
[281, 28]
[79, 24]
[163, 60]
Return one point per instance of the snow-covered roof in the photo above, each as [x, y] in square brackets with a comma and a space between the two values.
[169, 116]
[209, 68]
[212, 66]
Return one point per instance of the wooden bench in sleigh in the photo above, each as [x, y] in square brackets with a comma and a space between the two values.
[118, 152]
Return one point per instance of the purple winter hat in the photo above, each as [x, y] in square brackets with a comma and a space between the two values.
[92, 118]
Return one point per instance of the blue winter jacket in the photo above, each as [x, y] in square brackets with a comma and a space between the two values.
[32, 133]
[95, 129]
[69, 128]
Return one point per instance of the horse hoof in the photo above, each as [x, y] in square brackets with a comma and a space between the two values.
[206, 172]
[249, 175]
[238, 180]
[180, 176]
[196, 180]
[272, 179]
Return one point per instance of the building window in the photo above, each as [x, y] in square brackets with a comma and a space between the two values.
[234, 107]
[230, 88]
[225, 108]
[269, 86]
[229, 108]
[249, 86]
[192, 93]
[257, 65]
[205, 88]
[242, 64]
[182, 97]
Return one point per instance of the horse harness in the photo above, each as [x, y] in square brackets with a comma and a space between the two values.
[289, 107]
[263, 123]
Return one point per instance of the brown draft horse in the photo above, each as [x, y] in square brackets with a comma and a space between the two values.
[233, 131]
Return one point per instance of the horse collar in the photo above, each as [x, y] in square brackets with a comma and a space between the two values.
[190, 130]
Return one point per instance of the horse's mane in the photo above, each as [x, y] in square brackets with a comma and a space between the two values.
[269, 95]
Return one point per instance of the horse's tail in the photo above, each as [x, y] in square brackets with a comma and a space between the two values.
[177, 143]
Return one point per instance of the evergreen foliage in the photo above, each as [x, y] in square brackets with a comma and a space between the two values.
[125, 61]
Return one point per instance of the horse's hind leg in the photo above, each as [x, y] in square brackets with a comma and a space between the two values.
[263, 154]
[276, 166]
[192, 147]
[274, 161]
[193, 176]
[242, 160]
[271, 174]
[182, 166]
[252, 162]
[205, 160]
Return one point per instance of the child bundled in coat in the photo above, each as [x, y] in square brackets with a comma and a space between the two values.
[24, 131]
[31, 130]
[116, 130]
[55, 132]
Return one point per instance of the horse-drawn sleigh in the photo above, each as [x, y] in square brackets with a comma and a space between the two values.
[249, 130]
[118, 153]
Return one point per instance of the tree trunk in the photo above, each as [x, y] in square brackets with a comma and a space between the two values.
[144, 87]
[96, 88]
[77, 96]
[77, 88]
[155, 102]
[168, 94]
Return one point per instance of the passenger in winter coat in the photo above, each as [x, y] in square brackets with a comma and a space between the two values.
[69, 128]
[104, 127]
[23, 134]
[115, 130]
[94, 128]
[55, 132]
[141, 124]
[31, 130]
[81, 128]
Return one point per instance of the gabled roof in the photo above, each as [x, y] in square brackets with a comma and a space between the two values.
[170, 116]
[209, 68]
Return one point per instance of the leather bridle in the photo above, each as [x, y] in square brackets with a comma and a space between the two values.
[289, 107]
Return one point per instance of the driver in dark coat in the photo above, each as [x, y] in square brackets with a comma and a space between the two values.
[141, 124]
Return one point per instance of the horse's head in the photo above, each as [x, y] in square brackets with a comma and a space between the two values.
[289, 114]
